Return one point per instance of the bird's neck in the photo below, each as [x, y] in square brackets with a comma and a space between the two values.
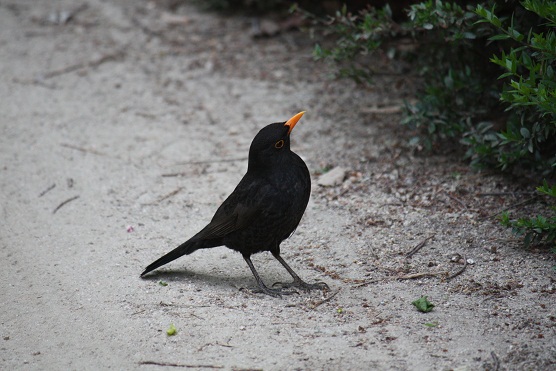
[269, 165]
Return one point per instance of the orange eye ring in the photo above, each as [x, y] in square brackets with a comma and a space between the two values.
[279, 144]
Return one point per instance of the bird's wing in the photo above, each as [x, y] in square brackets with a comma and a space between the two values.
[223, 224]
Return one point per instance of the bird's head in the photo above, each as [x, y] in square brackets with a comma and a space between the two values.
[272, 142]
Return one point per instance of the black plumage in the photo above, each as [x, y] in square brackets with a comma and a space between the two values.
[263, 210]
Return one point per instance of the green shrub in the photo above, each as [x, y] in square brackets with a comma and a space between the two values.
[529, 87]
[537, 229]
[488, 81]
[357, 35]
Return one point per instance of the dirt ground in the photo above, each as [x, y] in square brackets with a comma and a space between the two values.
[123, 126]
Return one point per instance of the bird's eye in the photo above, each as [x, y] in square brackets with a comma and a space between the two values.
[279, 144]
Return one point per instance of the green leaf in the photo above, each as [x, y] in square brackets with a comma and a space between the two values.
[163, 283]
[527, 239]
[423, 305]
[317, 52]
[499, 37]
[172, 330]
[549, 72]
[525, 133]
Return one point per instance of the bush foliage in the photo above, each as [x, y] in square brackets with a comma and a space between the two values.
[489, 84]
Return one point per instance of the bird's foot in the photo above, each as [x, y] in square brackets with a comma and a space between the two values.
[300, 284]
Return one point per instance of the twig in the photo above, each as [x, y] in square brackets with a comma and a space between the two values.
[170, 175]
[320, 302]
[510, 207]
[361, 284]
[211, 344]
[391, 204]
[196, 316]
[496, 194]
[173, 193]
[434, 274]
[168, 364]
[419, 246]
[420, 275]
[496, 361]
[47, 190]
[460, 271]
[382, 110]
[86, 150]
[64, 203]
[74, 67]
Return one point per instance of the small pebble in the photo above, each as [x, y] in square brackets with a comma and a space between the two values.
[332, 178]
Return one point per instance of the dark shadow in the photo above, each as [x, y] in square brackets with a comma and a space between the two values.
[220, 280]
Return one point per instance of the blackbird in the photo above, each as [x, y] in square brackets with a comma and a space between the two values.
[263, 210]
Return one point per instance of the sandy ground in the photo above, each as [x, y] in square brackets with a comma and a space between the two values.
[139, 116]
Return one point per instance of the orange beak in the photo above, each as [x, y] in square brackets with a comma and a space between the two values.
[291, 122]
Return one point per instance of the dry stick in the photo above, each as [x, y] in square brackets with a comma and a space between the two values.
[504, 194]
[361, 284]
[460, 271]
[391, 204]
[496, 361]
[217, 343]
[419, 246]
[320, 302]
[434, 274]
[167, 364]
[173, 193]
[382, 110]
[47, 190]
[74, 67]
[511, 207]
[169, 175]
[86, 150]
[63, 203]
[419, 275]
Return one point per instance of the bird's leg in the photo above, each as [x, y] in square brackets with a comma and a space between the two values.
[297, 281]
[272, 292]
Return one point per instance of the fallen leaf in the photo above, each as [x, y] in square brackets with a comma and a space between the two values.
[423, 305]
[172, 330]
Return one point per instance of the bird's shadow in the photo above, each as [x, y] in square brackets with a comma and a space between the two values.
[200, 279]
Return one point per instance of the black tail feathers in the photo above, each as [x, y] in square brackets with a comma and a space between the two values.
[185, 248]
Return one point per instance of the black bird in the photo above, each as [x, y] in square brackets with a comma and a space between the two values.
[263, 210]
